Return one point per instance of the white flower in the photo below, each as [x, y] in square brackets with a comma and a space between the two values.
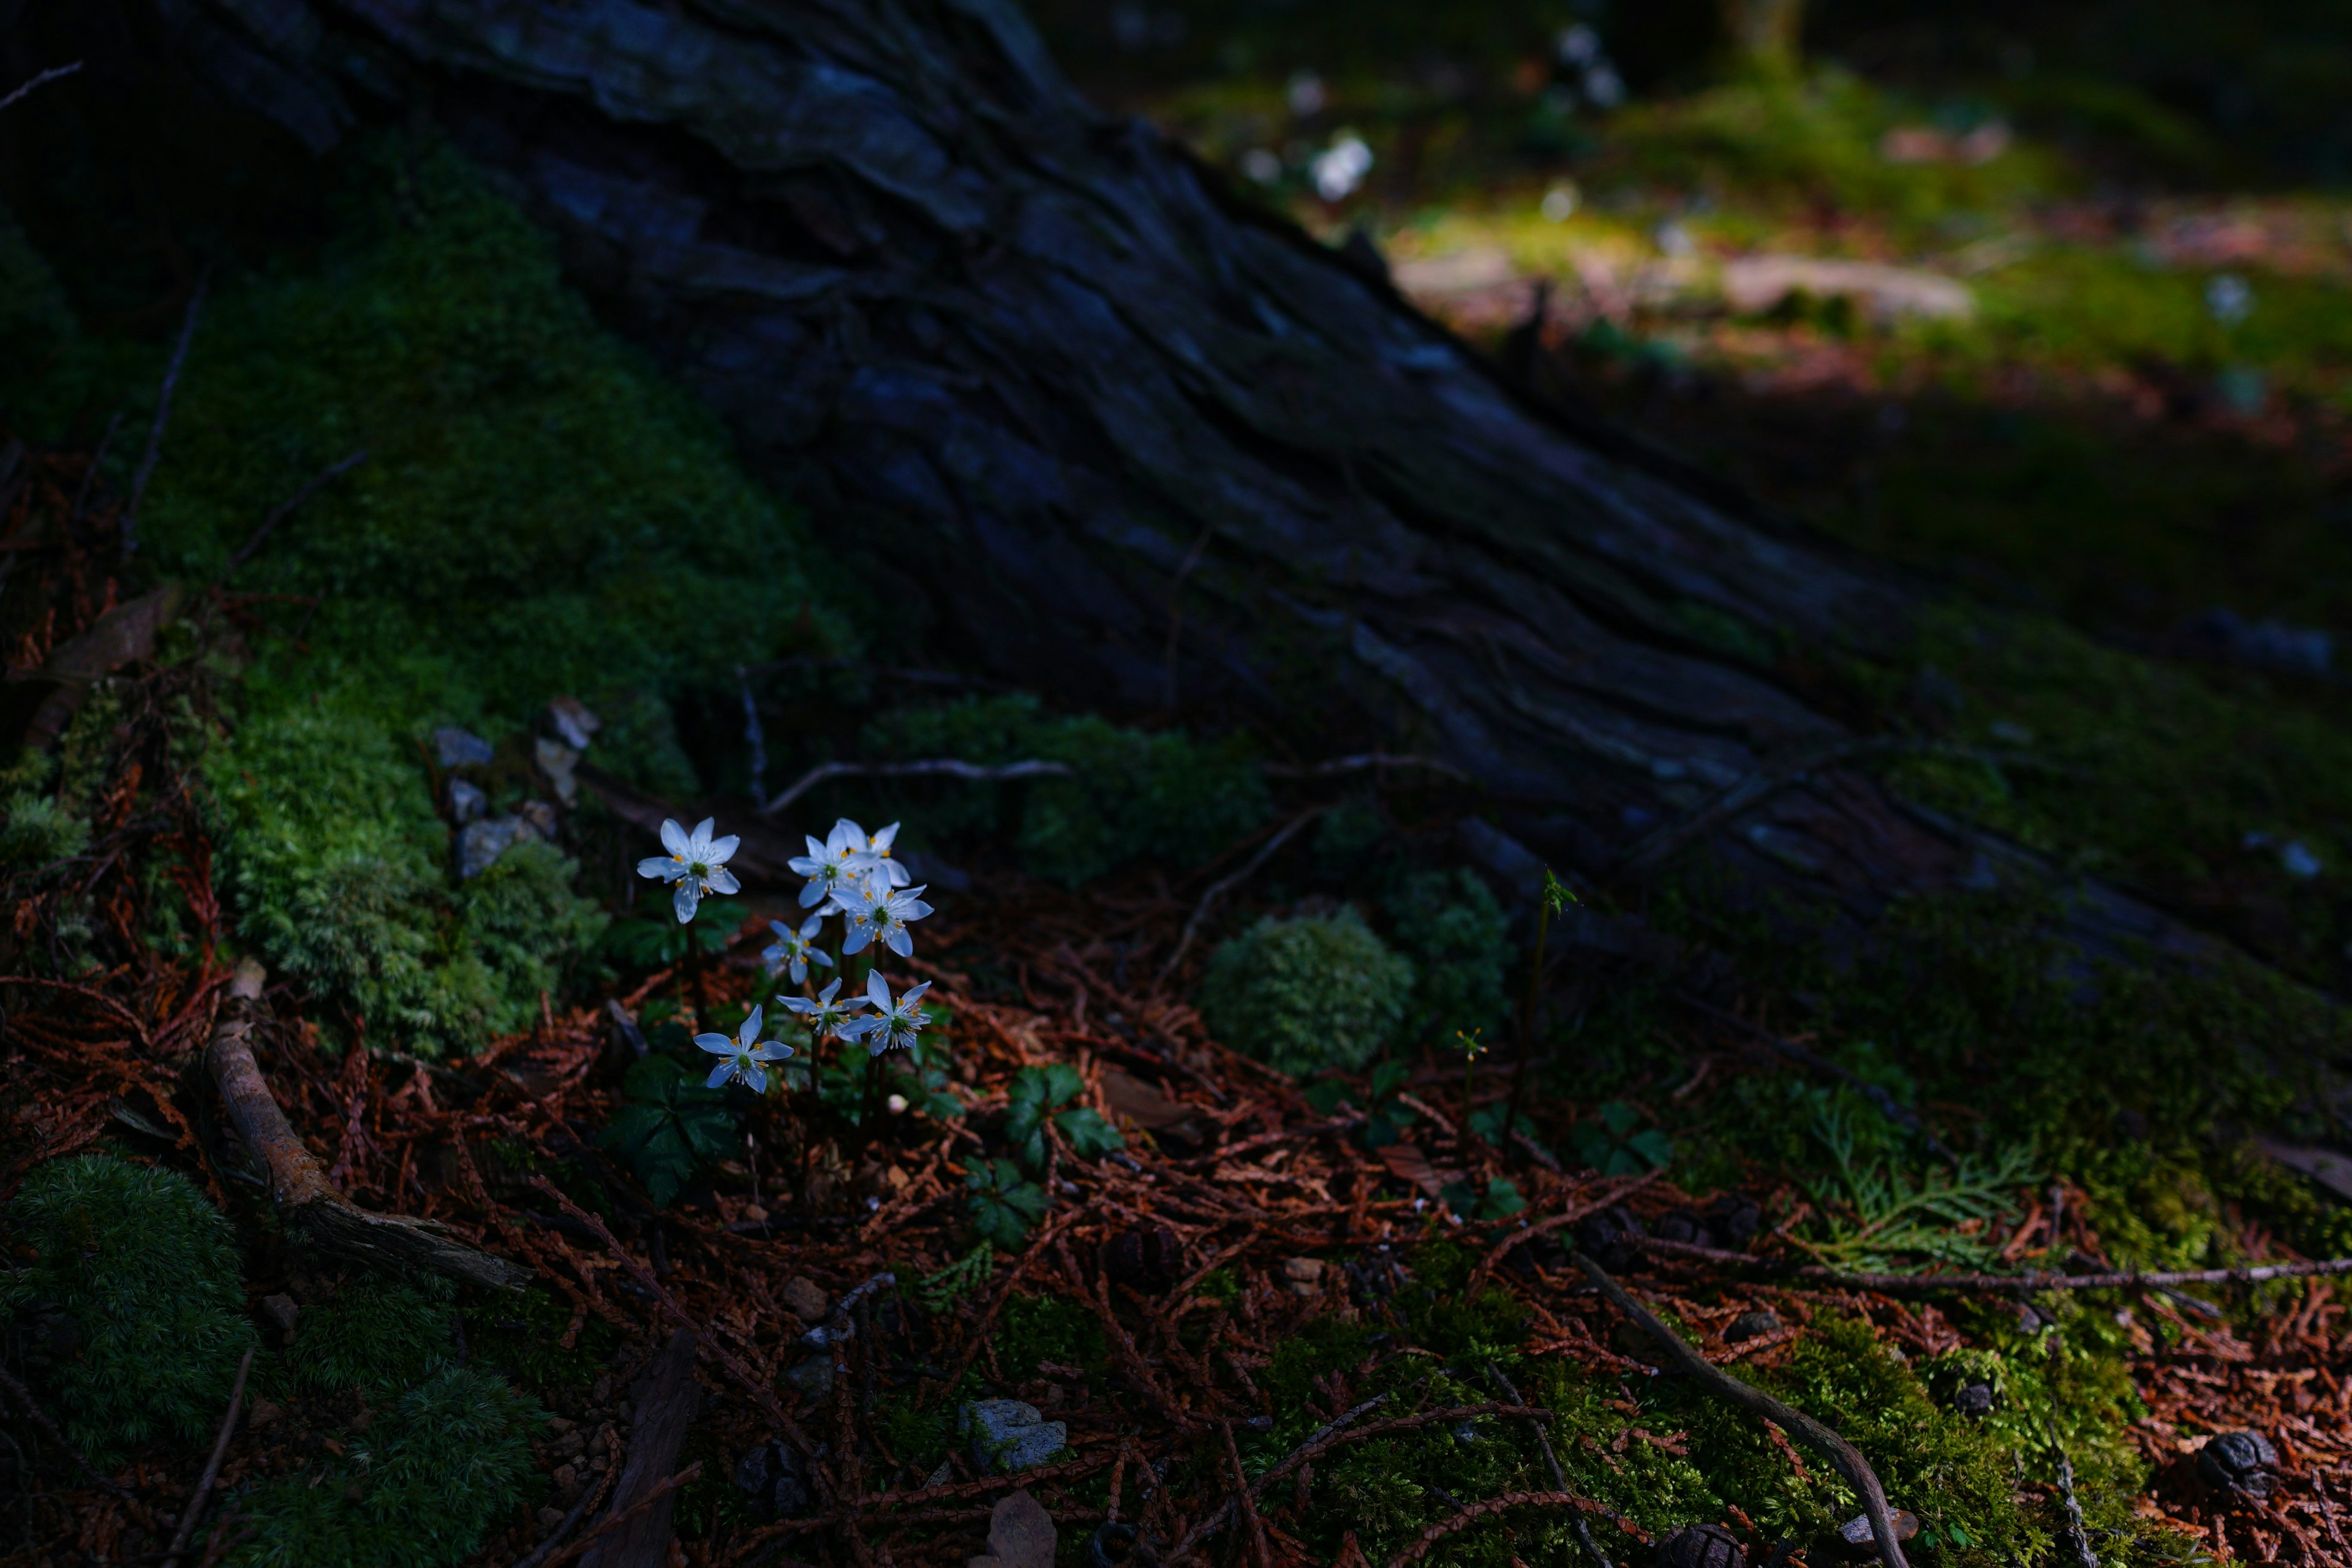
[836, 863]
[745, 1054]
[795, 951]
[896, 1025]
[878, 846]
[825, 1017]
[696, 862]
[1341, 167]
[878, 911]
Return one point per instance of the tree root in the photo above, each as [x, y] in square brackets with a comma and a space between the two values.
[299, 1191]
[1747, 1397]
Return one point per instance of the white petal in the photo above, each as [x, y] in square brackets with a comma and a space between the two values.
[877, 990]
[749, 1032]
[661, 868]
[877, 1044]
[912, 908]
[845, 836]
[899, 875]
[881, 842]
[772, 1051]
[719, 1043]
[724, 849]
[859, 935]
[796, 1003]
[811, 893]
[819, 955]
[720, 1075]
[811, 926]
[673, 838]
[722, 880]
[702, 836]
[758, 1079]
[900, 942]
[826, 995]
[682, 900]
[911, 997]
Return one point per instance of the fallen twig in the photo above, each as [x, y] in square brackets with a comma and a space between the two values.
[1358, 764]
[1471, 1515]
[2002, 1284]
[287, 508]
[299, 1191]
[1259, 1553]
[53, 74]
[934, 767]
[1224, 885]
[211, 1467]
[1840, 1453]
[162, 416]
[41, 1418]
[652, 1499]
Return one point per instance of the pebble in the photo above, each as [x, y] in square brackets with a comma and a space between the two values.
[457, 748]
[1010, 1435]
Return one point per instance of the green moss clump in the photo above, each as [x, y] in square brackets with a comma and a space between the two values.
[522, 1335]
[148, 1271]
[1453, 929]
[1039, 1328]
[1303, 995]
[378, 1335]
[418, 1488]
[1130, 795]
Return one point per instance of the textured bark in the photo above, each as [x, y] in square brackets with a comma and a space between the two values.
[665, 1400]
[1115, 434]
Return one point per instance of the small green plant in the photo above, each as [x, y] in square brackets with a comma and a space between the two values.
[1388, 1117]
[653, 939]
[1874, 1216]
[1302, 994]
[1615, 1144]
[1454, 931]
[1004, 1203]
[672, 1126]
[1041, 1329]
[961, 1278]
[1036, 1095]
[147, 1270]
[1500, 1200]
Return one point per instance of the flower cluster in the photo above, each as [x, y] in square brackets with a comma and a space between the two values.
[850, 874]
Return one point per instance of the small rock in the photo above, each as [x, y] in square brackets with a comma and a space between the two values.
[1683, 1225]
[941, 1477]
[1734, 1219]
[1752, 1325]
[279, 1312]
[1009, 1435]
[571, 722]
[560, 1426]
[1466, 1433]
[1974, 1400]
[538, 820]
[1148, 1258]
[457, 748]
[1110, 1544]
[812, 1377]
[2243, 1460]
[549, 1518]
[565, 1478]
[1304, 1271]
[806, 1300]
[1702, 1546]
[1605, 1237]
[466, 804]
[556, 761]
[1021, 1534]
[1855, 1538]
[263, 1414]
[480, 844]
[774, 1478]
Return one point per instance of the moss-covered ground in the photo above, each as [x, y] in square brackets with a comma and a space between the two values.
[537, 516]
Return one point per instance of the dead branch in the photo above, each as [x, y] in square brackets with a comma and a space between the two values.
[301, 1192]
[665, 1402]
[1360, 762]
[53, 74]
[162, 416]
[1747, 1397]
[212, 1466]
[287, 508]
[934, 767]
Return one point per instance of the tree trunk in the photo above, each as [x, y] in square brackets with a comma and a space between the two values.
[1116, 434]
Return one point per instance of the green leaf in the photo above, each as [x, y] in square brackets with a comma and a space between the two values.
[1003, 1202]
[1327, 1096]
[1389, 1077]
[671, 1127]
[1090, 1136]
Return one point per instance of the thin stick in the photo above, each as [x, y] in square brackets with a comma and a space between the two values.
[287, 508]
[754, 736]
[1358, 764]
[212, 1466]
[41, 1419]
[53, 74]
[1218, 890]
[90, 474]
[933, 767]
[162, 416]
[1998, 1284]
[1715, 1380]
[1259, 1553]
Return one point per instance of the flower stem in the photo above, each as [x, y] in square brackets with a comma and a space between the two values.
[1528, 1018]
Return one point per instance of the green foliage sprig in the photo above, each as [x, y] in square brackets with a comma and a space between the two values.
[671, 1128]
[1035, 1100]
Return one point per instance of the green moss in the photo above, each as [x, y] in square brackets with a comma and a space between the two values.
[147, 1270]
[522, 1335]
[416, 1488]
[378, 1335]
[1130, 794]
[1454, 930]
[1321, 990]
[1034, 1329]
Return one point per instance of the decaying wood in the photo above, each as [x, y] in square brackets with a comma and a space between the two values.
[304, 1198]
[1747, 1397]
[664, 1401]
